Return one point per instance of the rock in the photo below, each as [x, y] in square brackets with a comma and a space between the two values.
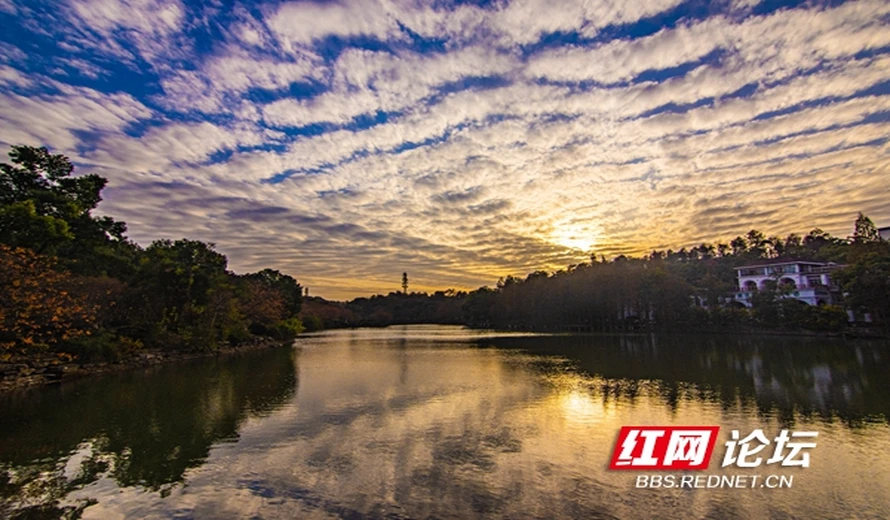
[59, 371]
[17, 370]
[11, 370]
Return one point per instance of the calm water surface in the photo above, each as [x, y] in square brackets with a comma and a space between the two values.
[444, 422]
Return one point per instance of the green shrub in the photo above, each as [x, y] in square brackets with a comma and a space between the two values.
[287, 330]
[312, 323]
[237, 334]
[827, 318]
[101, 347]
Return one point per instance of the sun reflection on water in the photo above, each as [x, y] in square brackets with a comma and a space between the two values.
[416, 422]
[580, 407]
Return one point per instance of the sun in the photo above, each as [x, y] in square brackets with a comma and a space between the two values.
[581, 238]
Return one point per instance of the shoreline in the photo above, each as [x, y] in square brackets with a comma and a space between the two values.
[847, 333]
[23, 373]
[852, 333]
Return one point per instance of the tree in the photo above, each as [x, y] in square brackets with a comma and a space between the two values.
[74, 281]
[284, 284]
[186, 295]
[820, 245]
[739, 245]
[271, 302]
[864, 230]
[22, 226]
[758, 245]
[405, 283]
[45, 208]
[37, 307]
[866, 283]
[476, 309]
[261, 304]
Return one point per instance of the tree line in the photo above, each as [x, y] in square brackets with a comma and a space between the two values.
[686, 289]
[74, 284]
[689, 289]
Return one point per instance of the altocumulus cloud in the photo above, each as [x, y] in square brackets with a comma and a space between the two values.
[347, 141]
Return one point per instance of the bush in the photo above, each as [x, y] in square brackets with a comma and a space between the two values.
[730, 317]
[312, 323]
[237, 334]
[287, 330]
[101, 347]
[827, 318]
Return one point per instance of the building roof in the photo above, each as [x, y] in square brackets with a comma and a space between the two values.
[786, 261]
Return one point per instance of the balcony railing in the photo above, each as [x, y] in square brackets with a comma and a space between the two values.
[817, 288]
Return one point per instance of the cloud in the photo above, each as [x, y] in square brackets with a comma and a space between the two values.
[365, 82]
[302, 23]
[11, 77]
[508, 24]
[224, 78]
[623, 60]
[457, 142]
[523, 22]
[161, 149]
[56, 119]
[107, 26]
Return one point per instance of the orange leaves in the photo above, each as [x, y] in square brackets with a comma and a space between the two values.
[36, 308]
[261, 303]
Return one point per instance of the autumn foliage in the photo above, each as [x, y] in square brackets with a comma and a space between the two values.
[74, 284]
[37, 307]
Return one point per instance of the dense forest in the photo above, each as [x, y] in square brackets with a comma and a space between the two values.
[684, 290]
[689, 289]
[72, 283]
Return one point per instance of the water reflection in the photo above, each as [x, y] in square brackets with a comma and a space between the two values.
[144, 428]
[782, 375]
[440, 422]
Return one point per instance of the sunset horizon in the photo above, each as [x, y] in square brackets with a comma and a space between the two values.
[345, 143]
[471, 259]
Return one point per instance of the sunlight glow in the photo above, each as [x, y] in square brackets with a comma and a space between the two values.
[580, 407]
[572, 236]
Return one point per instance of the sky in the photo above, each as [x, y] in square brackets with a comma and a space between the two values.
[347, 142]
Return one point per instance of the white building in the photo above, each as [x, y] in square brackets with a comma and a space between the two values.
[809, 282]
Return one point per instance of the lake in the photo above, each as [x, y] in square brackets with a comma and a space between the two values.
[448, 422]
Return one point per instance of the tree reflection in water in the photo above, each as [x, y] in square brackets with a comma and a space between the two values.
[435, 421]
[826, 378]
[142, 428]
